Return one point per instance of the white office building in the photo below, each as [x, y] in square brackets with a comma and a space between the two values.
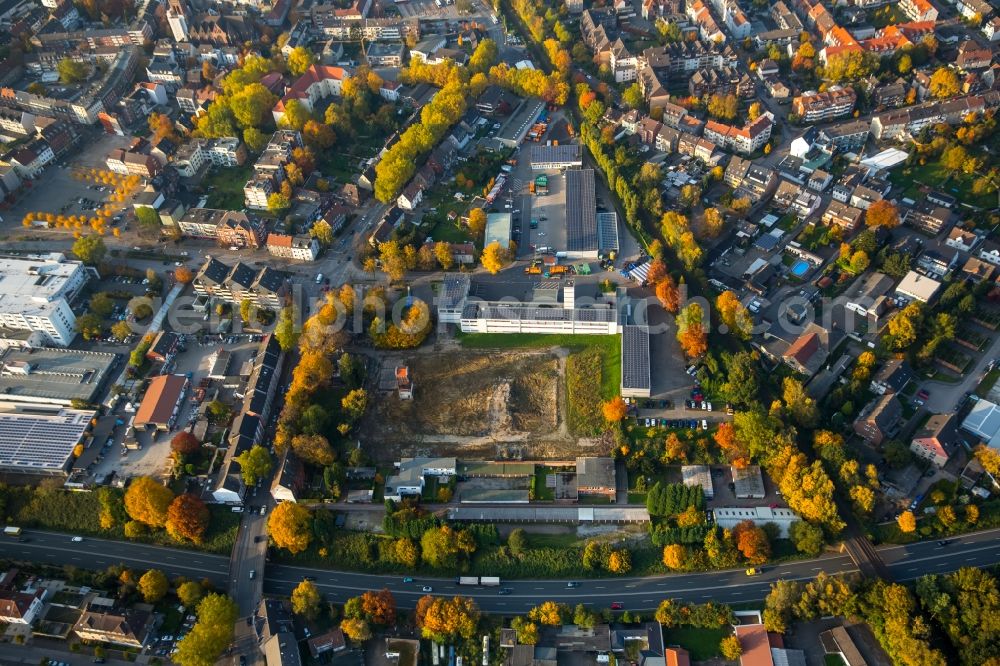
[35, 293]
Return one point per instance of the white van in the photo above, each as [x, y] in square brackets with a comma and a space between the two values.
[319, 278]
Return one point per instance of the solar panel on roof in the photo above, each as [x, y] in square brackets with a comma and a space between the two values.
[635, 357]
[581, 211]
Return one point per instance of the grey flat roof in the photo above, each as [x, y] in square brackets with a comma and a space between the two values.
[568, 153]
[41, 442]
[635, 357]
[552, 514]
[498, 227]
[749, 481]
[52, 374]
[581, 211]
[503, 311]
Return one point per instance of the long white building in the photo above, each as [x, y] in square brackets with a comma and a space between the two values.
[35, 293]
[543, 316]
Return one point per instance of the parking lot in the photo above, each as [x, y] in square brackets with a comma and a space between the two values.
[57, 191]
[153, 458]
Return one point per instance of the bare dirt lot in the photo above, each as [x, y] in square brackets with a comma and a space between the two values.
[502, 404]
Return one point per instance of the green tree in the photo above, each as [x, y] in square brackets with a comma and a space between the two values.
[255, 139]
[633, 96]
[72, 71]
[296, 115]
[189, 593]
[255, 464]
[286, 330]
[808, 538]
[89, 325]
[101, 304]
[278, 203]
[90, 249]
[153, 586]
[322, 232]
[299, 60]
[211, 634]
[485, 56]
[443, 547]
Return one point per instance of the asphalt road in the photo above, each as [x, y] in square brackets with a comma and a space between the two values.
[730, 586]
[59, 550]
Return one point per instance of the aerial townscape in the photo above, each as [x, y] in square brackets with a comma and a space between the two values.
[500, 332]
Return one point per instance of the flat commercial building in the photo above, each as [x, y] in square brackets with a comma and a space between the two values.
[498, 228]
[749, 482]
[556, 157]
[35, 293]
[550, 514]
[918, 287]
[635, 362]
[451, 299]
[53, 376]
[581, 215]
[40, 440]
[730, 517]
[698, 475]
[607, 233]
[539, 317]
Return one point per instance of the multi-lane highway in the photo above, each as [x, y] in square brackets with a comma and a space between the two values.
[731, 586]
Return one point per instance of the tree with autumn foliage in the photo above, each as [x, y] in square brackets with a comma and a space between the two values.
[445, 620]
[306, 600]
[290, 526]
[882, 213]
[752, 542]
[549, 613]
[675, 556]
[185, 444]
[379, 607]
[153, 586]
[668, 295]
[356, 629]
[148, 501]
[657, 271]
[735, 452]
[691, 333]
[188, 518]
[614, 410]
[907, 522]
[443, 546]
[734, 314]
[183, 274]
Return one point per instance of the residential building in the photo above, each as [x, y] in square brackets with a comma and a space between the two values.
[988, 252]
[299, 247]
[410, 197]
[961, 239]
[266, 287]
[899, 123]
[807, 354]
[721, 81]
[237, 230]
[972, 8]
[35, 296]
[978, 270]
[892, 377]
[937, 440]
[595, 476]
[104, 624]
[918, 10]
[917, 287]
[317, 83]
[385, 54]
[843, 215]
[972, 56]
[820, 106]
[624, 65]
[745, 139]
[410, 472]
[879, 420]
[927, 218]
[130, 162]
[20, 608]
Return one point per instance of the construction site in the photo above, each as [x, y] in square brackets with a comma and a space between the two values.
[498, 404]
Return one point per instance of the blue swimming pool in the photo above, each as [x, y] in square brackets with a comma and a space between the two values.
[800, 268]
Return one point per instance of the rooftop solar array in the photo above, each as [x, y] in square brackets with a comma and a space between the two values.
[41, 442]
[581, 211]
[635, 357]
[607, 232]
